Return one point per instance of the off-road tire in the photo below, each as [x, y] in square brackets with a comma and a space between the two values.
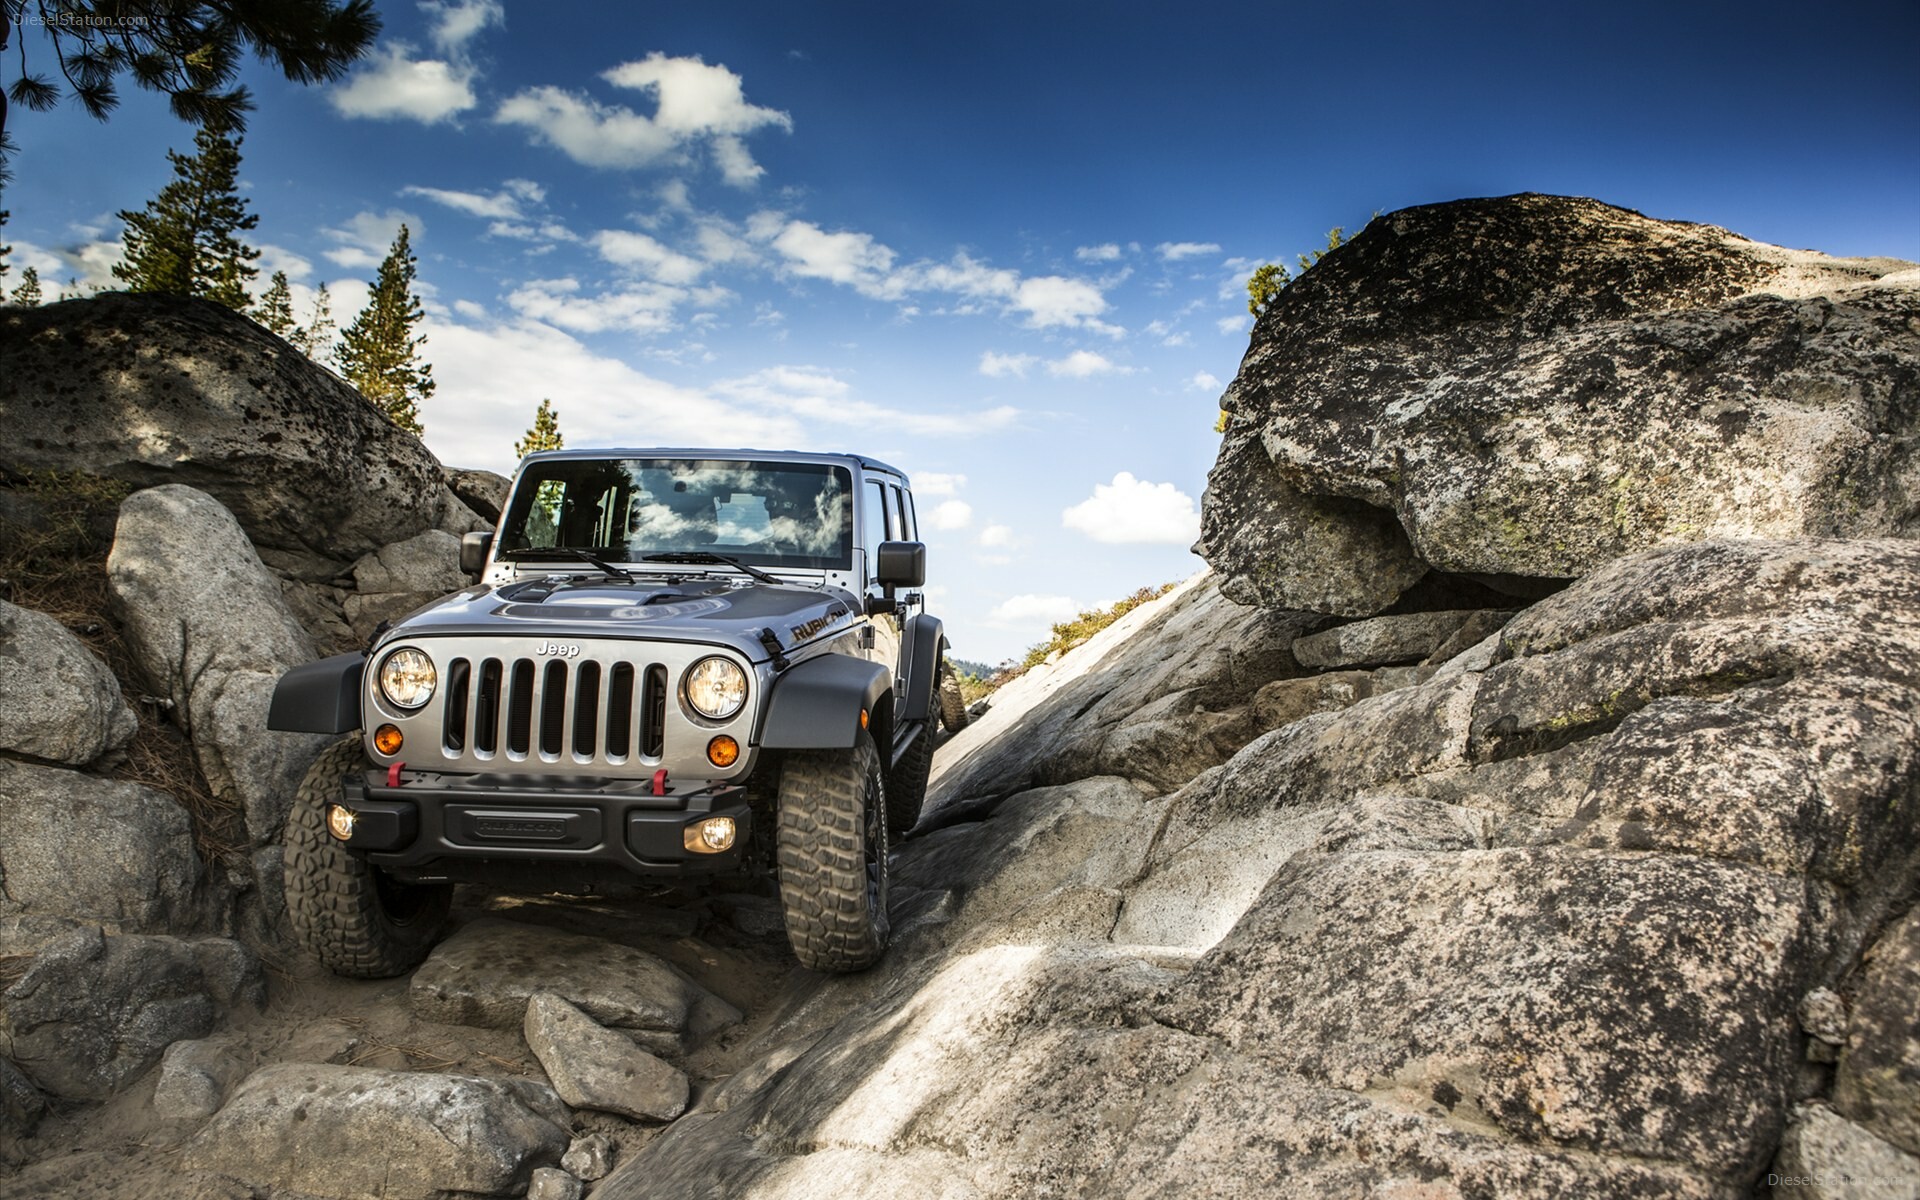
[953, 705]
[833, 856]
[907, 786]
[352, 916]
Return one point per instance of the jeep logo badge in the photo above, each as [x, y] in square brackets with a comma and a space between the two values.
[558, 649]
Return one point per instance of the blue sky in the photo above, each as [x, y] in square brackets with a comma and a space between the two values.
[1002, 246]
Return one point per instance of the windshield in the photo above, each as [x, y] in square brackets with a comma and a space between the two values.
[768, 514]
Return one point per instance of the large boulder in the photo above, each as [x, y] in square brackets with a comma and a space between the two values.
[1159, 695]
[394, 580]
[1542, 924]
[1533, 385]
[487, 972]
[338, 1131]
[76, 848]
[94, 1012]
[58, 701]
[209, 626]
[154, 389]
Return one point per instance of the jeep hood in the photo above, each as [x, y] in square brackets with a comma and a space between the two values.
[592, 606]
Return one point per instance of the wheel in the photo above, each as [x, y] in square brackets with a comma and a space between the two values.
[907, 786]
[352, 916]
[833, 856]
[953, 706]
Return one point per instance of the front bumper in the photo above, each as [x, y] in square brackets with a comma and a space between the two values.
[424, 817]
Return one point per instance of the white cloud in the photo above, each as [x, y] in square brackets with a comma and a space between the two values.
[279, 258]
[80, 269]
[937, 483]
[949, 515]
[1234, 324]
[996, 536]
[853, 259]
[457, 22]
[502, 204]
[1110, 252]
[1081, 364]
[1055, 300]
[645, 309]
[995, 366]
[643, 254]
[395, 86]
[1175, 251]
[1033, 610]
[365, 238]
[694, 104]
[1203, 381]
[822, 397]
[1132, 510]
[491, 378]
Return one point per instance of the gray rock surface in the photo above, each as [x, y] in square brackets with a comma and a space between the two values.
[1533, 385]
[79, 848]
[394, 580]
[1535, 928]
[154, 389]
[1878, 1080]
[487, 972]
[94, 1012]
[1380, 641]
[1196, 655]
[485, 492]
[348, 1131]
[591, 1066]
[589, 1157]
[58, 701]
[208, 624]
[1827, 1157]
[551, 1183]
[194, 1078]
[21, 1103]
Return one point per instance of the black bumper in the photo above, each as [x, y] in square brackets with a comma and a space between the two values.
[429, 818]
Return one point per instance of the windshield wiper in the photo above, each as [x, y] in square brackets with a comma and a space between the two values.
[703, 556]
[574, 552]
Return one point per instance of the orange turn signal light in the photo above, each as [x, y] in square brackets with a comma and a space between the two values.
[723, 751]
[387, 739]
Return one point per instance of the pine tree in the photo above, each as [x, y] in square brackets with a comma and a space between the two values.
[315, 338]
[186, 241]
[275, 310]
[27, 295]
[545, 434]
[379, 353]
[4, 248]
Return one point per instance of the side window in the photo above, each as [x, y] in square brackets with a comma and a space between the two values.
[873, 520]
[903, 515]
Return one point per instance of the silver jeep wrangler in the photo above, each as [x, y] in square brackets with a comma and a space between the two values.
[673, 663]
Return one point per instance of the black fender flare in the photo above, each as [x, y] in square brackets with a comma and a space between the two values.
[817, 704]
[925, 638]
[319, 697]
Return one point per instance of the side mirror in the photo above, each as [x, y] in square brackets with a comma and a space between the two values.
[473, 551]
[900, 564]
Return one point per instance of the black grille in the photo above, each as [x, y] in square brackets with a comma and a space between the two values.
[609, 721]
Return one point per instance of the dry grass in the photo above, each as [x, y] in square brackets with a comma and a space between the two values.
[60, 569]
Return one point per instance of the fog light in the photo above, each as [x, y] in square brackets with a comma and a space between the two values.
[387, 739]
[723, 751]
[340, 821]
[711, 836]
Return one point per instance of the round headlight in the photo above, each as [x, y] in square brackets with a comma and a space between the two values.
[407, 678]
[717, 688]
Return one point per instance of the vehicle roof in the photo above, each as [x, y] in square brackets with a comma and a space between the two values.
[870, 464]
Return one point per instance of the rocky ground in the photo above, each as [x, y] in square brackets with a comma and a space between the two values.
[1506, 817]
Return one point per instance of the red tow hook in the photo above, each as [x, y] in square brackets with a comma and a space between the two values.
[393, 774]
[660, 782]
